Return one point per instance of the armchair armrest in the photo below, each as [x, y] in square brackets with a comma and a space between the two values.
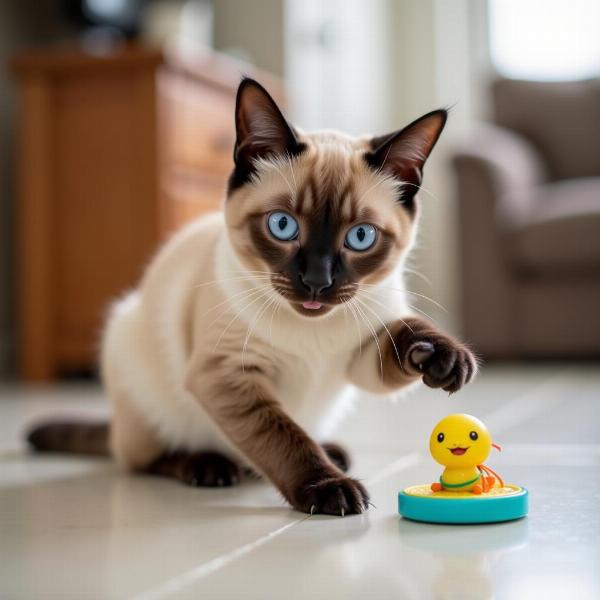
[497, 171]
[503, 163]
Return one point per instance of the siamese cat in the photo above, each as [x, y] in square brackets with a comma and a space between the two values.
[248, 326]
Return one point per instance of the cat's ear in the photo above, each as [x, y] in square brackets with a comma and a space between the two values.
[403, 153]
[261, 129]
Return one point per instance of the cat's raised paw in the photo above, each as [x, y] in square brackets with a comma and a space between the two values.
[209, 469]
[444, 362]
[332, 496]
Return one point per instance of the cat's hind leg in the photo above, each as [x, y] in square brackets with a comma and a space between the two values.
[200, 469]
[338, 455]
[136, 447]
[133, 443]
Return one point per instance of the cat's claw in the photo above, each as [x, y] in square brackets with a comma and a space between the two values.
[332, 494]
[420, 352]
[444, 363]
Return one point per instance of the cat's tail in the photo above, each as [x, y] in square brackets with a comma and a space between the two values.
[71, 437]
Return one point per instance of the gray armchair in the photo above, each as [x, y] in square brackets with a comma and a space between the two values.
[529, 202]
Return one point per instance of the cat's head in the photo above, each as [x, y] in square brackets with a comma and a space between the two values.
[319, 214]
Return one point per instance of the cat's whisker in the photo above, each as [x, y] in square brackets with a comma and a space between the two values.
[434, 302]
[381, 174]
[345, 309]
[278, 302]
[227, 300]
[384, 326]
[373, 333]
[371, 188]
[243, 271]
[249, 294]
[418, 274]
[289, 158]
[227, 279]
[278, 169]
[264, 307]
[244, 274]
[237, 315]
[422, 312]
[405, 291]
[351, 308]
[420, 187]
[385, 158]
[372, 298]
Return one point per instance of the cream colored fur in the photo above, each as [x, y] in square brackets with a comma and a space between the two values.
[198, 297]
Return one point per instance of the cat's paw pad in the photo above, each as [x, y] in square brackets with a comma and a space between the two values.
[337, 455]
[209, 469]
[444, 363]
[332, 496]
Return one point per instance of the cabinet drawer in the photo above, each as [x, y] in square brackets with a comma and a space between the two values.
[189, 193]
[197, 124]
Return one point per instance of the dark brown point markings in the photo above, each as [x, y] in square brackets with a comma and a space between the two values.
[366, 263]
[275, 254]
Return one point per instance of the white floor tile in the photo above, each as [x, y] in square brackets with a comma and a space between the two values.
[77, 528]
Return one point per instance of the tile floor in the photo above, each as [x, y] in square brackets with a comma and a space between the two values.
[76, 529]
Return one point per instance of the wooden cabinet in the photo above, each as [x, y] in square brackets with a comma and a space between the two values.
[115, 152]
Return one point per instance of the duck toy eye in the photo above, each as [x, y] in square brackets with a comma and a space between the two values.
[468, 491]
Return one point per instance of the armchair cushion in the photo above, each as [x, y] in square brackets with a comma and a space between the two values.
[561, 233]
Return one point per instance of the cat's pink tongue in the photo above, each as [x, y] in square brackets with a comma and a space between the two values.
[312, 305]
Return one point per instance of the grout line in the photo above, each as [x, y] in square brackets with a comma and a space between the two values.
[180, 582]
[404, 462]
[554, 455]
[503, 418]
[558, 447]
[525, 406]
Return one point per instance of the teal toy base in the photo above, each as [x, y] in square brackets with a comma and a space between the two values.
[474, 509]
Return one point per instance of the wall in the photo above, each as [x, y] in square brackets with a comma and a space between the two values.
[252, 30]
[372, 67]
[440, 55]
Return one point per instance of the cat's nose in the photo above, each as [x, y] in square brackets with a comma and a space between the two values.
[318, 277]
[316, 284]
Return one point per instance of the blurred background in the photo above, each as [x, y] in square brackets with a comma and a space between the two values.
[117, 128]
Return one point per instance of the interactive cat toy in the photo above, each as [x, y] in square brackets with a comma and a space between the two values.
[468, 491]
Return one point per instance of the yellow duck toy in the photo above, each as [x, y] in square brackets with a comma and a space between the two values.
[462, 443]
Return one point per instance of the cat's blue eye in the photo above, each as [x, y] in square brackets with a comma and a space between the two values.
[283, 226]
[361, 237]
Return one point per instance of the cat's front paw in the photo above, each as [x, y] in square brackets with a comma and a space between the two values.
[444, 362]
[331, 495]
